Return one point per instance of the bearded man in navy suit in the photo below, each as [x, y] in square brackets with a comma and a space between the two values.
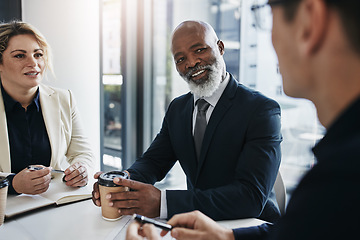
[232, 175]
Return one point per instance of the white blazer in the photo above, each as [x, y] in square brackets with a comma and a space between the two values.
[64, 127]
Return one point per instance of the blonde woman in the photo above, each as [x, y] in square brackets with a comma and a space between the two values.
[39, 125]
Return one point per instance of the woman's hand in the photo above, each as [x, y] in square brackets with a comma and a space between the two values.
[76, 175]
[32, 181]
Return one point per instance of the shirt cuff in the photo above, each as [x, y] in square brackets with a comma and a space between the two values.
[11, 189]
[163, 205]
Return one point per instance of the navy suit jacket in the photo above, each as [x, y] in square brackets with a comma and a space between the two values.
[239, 159]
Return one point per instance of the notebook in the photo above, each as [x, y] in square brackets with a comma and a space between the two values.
[57, 194]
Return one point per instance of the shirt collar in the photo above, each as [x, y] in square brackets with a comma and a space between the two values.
[214, 98]
[346, 126]
[10, 103]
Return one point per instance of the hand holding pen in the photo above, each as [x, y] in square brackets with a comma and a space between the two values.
[33, 168]
[145, 227]
[32, 182]
[75, 175]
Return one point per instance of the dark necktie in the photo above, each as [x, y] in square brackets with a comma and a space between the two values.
[200, 124]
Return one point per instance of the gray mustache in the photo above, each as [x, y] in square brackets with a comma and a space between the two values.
[196, 69]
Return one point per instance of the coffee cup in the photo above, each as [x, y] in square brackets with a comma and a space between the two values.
[106, 185]
[4, 183]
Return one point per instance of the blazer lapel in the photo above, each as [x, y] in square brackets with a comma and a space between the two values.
[51, 113]
[220, 109]
[5, 165]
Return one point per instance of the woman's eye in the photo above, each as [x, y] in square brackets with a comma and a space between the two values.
[38, 55]
[19, 56]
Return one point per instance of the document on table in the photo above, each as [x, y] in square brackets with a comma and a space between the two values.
[57, 194]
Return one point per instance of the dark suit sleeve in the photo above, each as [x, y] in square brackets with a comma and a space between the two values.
[157, 160]
[255, 172]
[253, 233]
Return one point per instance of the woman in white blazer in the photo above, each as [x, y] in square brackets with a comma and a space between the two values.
[24, 58]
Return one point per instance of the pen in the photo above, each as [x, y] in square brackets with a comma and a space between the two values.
[143, 219]
[39, 168]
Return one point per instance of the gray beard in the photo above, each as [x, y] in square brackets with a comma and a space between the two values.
[208, 87]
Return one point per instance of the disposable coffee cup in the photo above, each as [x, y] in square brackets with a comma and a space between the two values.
[106, 185]
[4, 183]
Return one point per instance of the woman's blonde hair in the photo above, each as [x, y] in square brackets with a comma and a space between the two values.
[14, 28]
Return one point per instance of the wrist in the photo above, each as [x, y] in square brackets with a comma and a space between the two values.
[227, 234]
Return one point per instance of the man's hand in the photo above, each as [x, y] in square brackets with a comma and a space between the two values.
[95, 192]
[195, 225]
[76, 175]
[137, 231]
[32, 181]
[142, 198]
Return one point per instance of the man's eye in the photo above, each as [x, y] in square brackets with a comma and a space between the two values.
[179, 60]
[19, 56]
[200, 50]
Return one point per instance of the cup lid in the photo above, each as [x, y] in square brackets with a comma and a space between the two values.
[106, 179]
[4, 182]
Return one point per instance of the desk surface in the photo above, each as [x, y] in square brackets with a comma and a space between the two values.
[81, 220]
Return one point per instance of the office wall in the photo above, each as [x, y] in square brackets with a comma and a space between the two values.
[72, 30]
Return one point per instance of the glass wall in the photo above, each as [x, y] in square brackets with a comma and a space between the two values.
[112, 81]
[249, 56]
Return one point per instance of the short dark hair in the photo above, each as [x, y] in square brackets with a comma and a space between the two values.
[349, 14]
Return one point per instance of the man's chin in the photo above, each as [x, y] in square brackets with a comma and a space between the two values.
[202, 90]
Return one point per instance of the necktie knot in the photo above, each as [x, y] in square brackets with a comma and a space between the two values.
[202, 105]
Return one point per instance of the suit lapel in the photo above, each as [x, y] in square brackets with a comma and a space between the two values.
[51, 113]
[224, 103]
[5, 165]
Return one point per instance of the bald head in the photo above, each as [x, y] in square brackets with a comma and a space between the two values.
[198, 28]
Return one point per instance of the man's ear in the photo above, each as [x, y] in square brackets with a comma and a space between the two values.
[313, 16]
[221, 47]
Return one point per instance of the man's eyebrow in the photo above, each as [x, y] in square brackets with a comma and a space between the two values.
[177, 54]
[196, 45]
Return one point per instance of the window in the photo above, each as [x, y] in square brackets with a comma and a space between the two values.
[112, 82]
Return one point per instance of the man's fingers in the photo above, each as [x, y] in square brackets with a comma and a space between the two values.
[125, 195]
[126, 204]
[132, 232]
[130, 211]
[183, 220]
[135, 185]
[150, 232]
[185, 233]
[96, 175]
